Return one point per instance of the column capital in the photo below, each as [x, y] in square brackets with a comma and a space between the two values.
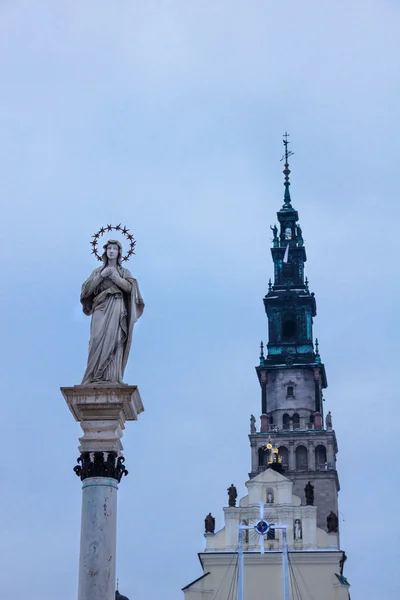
[96, 464]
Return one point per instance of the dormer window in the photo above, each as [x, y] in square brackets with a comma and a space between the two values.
[290, 390]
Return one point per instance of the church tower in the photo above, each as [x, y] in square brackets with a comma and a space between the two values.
[292, 499]
[292, 376]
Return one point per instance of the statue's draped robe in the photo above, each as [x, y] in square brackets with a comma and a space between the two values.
[114, 312]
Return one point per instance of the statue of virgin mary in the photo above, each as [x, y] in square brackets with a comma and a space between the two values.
[112, 297]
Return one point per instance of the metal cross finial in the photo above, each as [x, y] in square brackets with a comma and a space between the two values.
[288, 152]
[286, 170]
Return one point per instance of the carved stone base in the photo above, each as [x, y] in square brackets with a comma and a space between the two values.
[102, 411]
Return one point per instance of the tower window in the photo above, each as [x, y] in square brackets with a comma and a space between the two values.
[284, 454]
[296, 421]
[301, 458]
[290, 390]
[288, 270]
[289, 328]
[271, 533]
[320, 457]
[285, 421]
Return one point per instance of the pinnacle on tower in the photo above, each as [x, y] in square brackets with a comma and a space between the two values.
[286, 171]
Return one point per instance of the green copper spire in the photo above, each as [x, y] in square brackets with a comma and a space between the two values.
[286, 171]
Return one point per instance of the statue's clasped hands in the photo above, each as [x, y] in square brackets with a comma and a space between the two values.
[112, 273]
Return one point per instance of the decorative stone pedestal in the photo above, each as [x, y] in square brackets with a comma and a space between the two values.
[102, 411]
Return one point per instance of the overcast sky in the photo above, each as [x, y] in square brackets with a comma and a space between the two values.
[168, 116]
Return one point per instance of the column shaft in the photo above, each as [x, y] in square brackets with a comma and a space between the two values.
[98, 539]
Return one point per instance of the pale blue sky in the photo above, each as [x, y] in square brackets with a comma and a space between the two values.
[168, 116]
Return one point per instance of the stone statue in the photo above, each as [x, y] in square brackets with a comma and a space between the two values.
[270, 497]
[309, 491]
[332, 522]
[112, 297]
[209, 524]
[232, 494]
[274, 231]
[328, 420]
[299, 232]
[297, 532]
[253, 424]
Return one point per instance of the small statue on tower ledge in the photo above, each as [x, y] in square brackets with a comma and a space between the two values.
[332, 522]
[232, 494]
[309, 491]
[274, 230]
[209, 524]
[253, 424]
[328, 420]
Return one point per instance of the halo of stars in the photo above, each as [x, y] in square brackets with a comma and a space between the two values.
[107, 229]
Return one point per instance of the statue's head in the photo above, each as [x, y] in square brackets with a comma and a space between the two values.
[112, 250]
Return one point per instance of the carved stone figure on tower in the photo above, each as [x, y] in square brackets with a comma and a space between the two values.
[328, 420]
[332, 522]
[232, 494]
[112, 297]
[309, 491]
[253, 424]
[297, 532]
[209, 523]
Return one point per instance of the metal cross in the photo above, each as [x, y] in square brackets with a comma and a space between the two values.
[288, 152]
[261, 528]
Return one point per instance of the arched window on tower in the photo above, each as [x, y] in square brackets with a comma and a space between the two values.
[320, 457]
[289, 328]
[290, 391]
[262, 457]
[285, 421]
[284, 454]
[271, 533]
[296, 421]
[301, 458]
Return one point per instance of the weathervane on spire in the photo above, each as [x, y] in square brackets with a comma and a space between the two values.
[286, 170]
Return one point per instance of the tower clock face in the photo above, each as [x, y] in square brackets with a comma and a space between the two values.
[288, 233]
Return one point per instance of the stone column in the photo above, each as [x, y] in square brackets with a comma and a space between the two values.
[330, 455]
[102, 411]
[254, 455]
[311, 455]
[292, 456]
